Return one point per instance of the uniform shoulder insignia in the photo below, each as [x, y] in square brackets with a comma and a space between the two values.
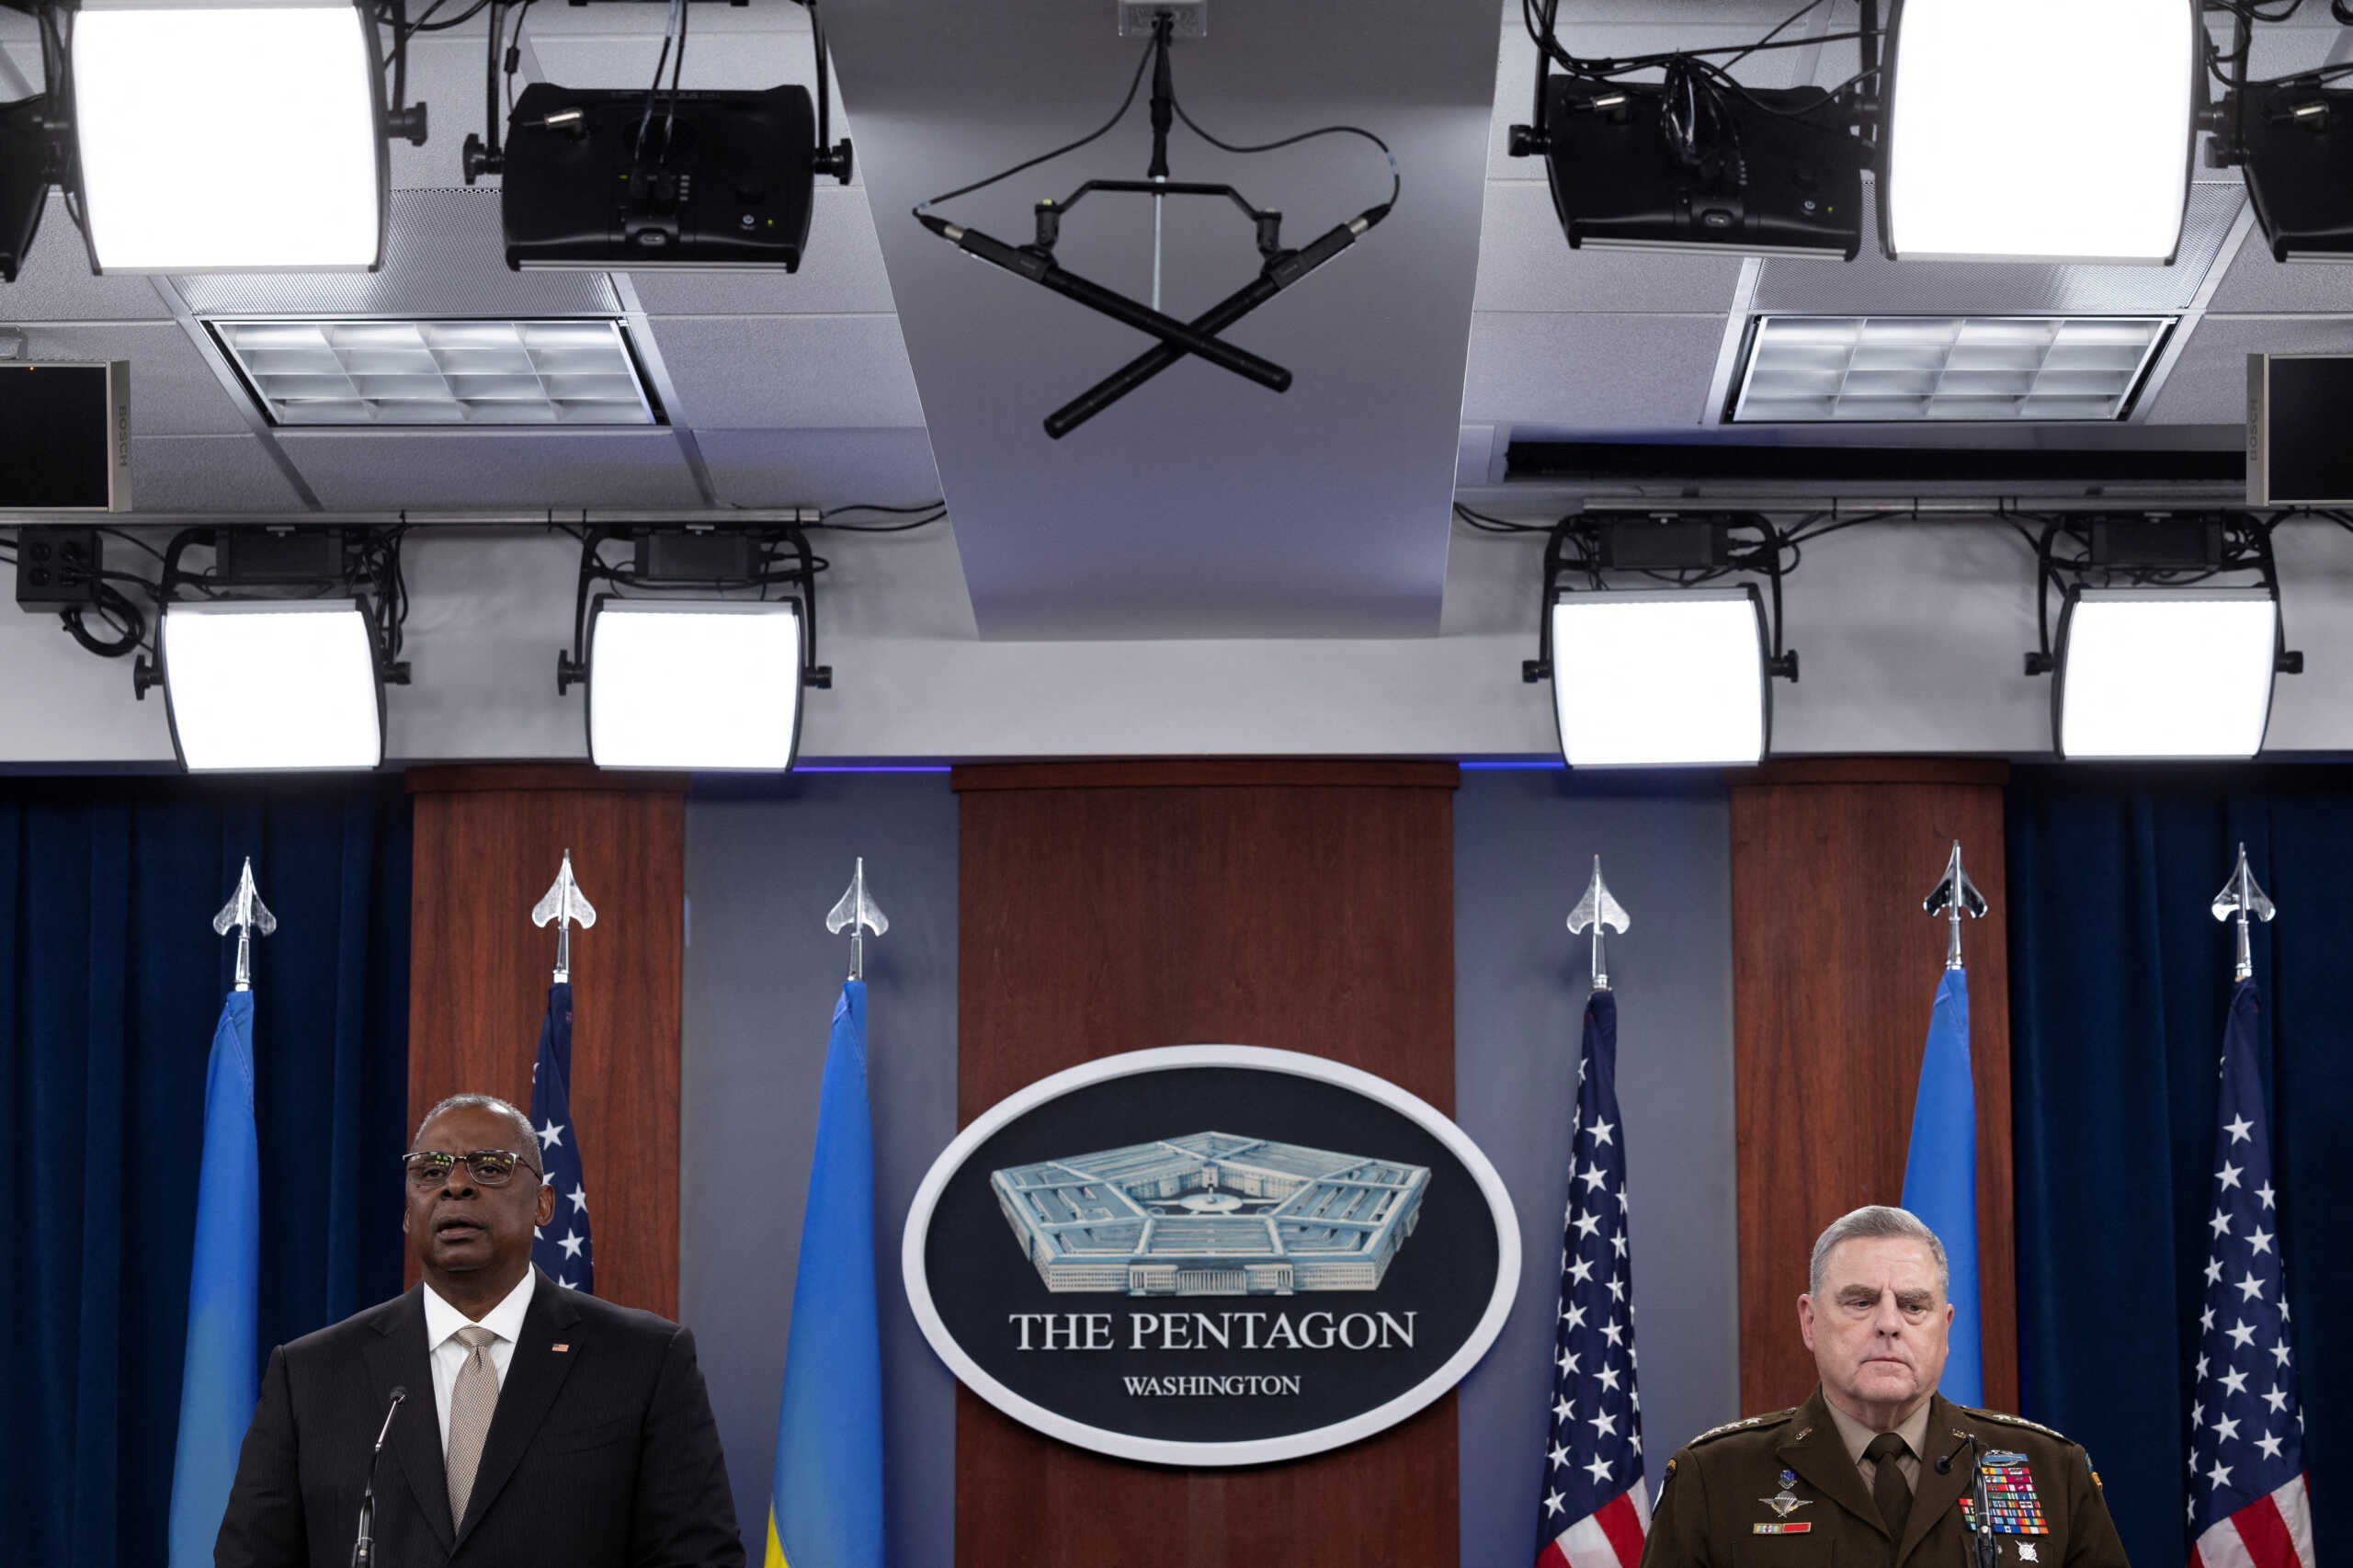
[1778, 1418]
[2009, 1420]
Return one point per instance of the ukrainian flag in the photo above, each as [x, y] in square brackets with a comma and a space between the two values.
[825, 1499]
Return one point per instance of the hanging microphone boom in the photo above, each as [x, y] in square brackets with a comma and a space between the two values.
[363, 1549]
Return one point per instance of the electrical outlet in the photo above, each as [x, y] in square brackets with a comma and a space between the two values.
[57, 568]
[1192, 18]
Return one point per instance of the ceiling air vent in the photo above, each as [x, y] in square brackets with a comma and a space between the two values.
[439, 372]
[1861, 370]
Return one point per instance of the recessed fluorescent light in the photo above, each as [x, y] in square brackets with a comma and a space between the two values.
[281, 684]
[1843, 369]
[439, 372]
[694, 684]
[228, 138]
[2021, 130]
[2164, 673]
[1671, 679]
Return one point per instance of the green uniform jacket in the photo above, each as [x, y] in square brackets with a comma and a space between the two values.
[1727, 1482]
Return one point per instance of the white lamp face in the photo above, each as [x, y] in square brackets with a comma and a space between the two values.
[697, 684]
[227, 139]
[2039, 130]
[2186, 673]
[1664, 679]
[272, 686]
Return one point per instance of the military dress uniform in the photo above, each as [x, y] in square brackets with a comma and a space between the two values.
[1783, 1491]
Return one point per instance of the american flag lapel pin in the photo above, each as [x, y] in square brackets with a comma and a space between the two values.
[559, 1349]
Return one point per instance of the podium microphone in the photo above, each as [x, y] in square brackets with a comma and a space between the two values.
[363, 1549]
[1982, 1553]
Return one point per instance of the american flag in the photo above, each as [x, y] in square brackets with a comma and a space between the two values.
[1596, 1505]
[2248, 1507]
[561, 1247]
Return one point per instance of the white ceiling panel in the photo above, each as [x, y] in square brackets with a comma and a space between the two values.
[1592, 370]
[820, 468]
[1525, 264]
[173, 391]
[55, 283]
[841, 272]
[2209, 382]
[389, 468]
[208, 474]
[788, 372]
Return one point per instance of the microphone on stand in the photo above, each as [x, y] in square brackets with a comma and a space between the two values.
[363, 1549]
[1983, 1553]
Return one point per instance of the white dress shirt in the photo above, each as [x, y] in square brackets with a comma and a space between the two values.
[442, 1322]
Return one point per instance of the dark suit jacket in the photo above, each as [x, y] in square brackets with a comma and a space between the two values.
[602, 1453]
[1723, 1485]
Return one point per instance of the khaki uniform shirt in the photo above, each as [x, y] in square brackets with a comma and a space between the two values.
[1784, 1491]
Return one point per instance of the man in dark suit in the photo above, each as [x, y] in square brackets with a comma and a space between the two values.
[1876, 1469]
[540, 1425]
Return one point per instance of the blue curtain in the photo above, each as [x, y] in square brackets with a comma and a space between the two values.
[110, 979]
[2119, 981]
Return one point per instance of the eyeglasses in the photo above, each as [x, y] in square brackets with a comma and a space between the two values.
[491, 1167]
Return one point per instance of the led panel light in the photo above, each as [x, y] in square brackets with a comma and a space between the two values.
[2039, 130]
[277, 684]
[694, 684]
[1672, 678]
[1847, 369]
[439, 372]
[229, 138]
[2164, 673]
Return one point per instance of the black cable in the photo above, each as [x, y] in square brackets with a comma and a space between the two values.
[654, 92]
[678, 67]
[1095, 135]
[1396, 181]
[1486, 524]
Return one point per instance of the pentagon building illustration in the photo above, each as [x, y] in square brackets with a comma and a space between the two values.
[1212, 1214]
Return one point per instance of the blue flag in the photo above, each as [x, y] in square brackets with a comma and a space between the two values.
[221, 1376]
[1940, 1176]
[561, 1247]
[825, 1497]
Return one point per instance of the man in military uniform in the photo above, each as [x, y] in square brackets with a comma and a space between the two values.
[1874, 1470]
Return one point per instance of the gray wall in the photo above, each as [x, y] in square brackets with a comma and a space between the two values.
[764, 864]
[1524, 843]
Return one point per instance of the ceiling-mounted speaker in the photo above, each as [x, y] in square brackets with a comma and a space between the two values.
[618, 178]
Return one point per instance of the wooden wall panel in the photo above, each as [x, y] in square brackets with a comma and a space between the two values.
[1834, 967]
[1113, 907]
[488, 841]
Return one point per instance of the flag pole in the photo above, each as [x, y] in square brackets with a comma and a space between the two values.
[1595, 911]
[1955, 894]
[859, 914]
[564, 903]
[251, 917]
[2241, 899]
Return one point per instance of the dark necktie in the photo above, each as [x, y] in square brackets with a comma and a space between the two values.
[1888, 1489]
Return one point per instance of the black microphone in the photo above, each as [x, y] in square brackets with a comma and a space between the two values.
[1980, 1553]
[1944, 1465]
[363, 1549]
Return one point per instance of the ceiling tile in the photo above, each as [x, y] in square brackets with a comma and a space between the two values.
[1578, 371]
[2256, 282]
[207, 473]
[55, 283]
[385, 470]
[820, 468]
[841, 272]
[2208, 385]
[174, 391]
[783, 372]
[1525, 264]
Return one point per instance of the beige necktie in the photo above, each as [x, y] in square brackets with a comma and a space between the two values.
[472, 1403]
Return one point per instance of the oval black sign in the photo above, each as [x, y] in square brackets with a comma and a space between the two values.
[1211, 1254]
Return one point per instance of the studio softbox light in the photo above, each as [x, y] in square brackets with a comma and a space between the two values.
[224, 138]
[704, 684]
[2164, 673]
[2039, 130]
[278, 684]
[1661, 680]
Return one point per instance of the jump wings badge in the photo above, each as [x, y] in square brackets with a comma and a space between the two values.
[1786, 1502]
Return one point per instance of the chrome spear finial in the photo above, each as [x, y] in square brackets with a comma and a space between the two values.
[858, 914]
[1595, 911]
[2242, 898]
[566, 905]
[1955, 895]
[251, 916]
